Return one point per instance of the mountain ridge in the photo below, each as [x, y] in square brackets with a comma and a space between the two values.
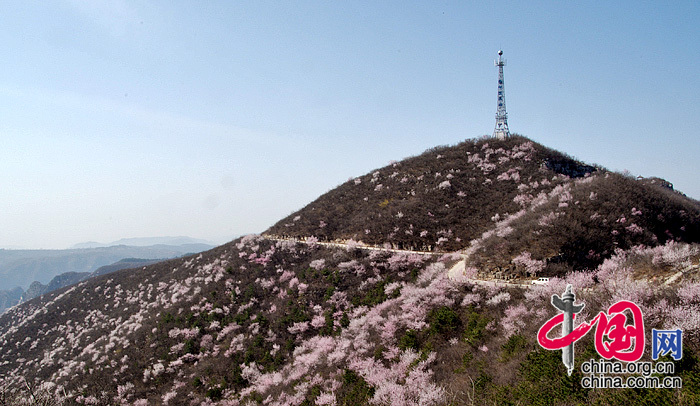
[21, 267]
[450, 198]
[70, 278]
[144, 242]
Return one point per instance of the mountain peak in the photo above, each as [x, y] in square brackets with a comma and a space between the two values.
[487, 193]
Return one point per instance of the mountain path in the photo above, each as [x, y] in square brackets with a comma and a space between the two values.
[455, 270]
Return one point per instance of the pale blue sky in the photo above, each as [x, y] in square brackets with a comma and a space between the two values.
[211, 119]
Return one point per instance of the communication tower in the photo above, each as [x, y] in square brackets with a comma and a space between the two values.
[501, 130]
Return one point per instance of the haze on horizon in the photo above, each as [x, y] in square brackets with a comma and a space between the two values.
[130, 119]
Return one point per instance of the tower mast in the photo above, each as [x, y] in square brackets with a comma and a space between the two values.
[501, 130]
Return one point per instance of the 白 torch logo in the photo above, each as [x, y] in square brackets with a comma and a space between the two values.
[566, 305]
[614, 336]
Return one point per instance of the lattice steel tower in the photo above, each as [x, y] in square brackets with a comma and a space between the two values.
[501, 130]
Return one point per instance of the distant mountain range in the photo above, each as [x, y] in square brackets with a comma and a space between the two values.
[43, 271]
[9, 298]
[144, 242]
[70, 278]
[20, 268]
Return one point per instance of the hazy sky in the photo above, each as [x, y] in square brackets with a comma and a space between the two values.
[217, 118]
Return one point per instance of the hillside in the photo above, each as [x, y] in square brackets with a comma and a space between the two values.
[499, 199]
[260, 321]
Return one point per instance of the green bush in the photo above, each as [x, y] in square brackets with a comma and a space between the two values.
[409, 340]
[474, 326]
[191, 346]
[443, 321]
[215, 393]
[344, 320]
[372, 297]
[514, 345]
[355, 391]
[546, 382]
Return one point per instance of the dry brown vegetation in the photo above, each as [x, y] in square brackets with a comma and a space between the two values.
[511, 196]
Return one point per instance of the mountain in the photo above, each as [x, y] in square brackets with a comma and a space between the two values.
[126, 263]
[71, 278]
[500, 199]
[65, 279]
[145, 242]
[18, 266]
[22, 267]
[312, 313]
[9, 298]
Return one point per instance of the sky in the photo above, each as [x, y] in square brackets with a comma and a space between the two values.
[214, 119]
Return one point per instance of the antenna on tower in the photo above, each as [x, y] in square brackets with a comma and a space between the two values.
[501, 131]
